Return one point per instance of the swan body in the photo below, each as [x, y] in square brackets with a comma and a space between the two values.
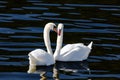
[71, 52]
[39, 56]
[74, 52]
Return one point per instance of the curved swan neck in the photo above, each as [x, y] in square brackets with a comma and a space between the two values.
[59, 44]
[47, 39]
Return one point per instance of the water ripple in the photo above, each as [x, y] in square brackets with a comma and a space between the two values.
[50, 14]
[99, 24]
[7, 31]
[110, 9]
[11, 63]
[66, 8]
[2, 6]
[90, 5]
[28, 37]
[46, 4]
[116, 15]
[12, 17]
[17, 49]
[37, 1]
[2, 2]
[112, 45]
[103, 58]
[32, 29]
[21, 30]
[90, 30]
[35, 8]
[21, 44]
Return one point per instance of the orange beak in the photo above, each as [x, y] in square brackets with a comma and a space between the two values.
[57, 31]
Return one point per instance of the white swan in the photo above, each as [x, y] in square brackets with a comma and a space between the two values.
[70, 52]
[39, 56]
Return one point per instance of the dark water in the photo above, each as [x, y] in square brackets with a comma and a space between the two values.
[21, 27]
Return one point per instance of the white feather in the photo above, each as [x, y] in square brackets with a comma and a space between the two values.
[39, 56]
[71, 52]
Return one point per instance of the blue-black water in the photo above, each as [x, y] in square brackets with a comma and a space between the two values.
[21, 31]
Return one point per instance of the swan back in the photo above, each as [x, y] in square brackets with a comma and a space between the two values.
[74, 52]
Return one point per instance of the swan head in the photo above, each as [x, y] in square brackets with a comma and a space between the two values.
[60, 29]
[51, 26]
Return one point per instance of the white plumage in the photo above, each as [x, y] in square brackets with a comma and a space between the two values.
[39, 56]
[70, 52]
[74, 52]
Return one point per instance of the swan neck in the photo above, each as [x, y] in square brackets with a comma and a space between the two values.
[59, 45]
[47, 39]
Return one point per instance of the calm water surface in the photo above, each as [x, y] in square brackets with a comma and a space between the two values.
[21, 31]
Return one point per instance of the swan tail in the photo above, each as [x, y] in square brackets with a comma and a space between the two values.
[90, 45]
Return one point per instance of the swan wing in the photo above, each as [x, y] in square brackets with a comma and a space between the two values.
[41, 57]
[77, 53]
[70, 47]
[66, 49]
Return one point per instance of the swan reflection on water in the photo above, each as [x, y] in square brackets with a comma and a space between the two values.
[42, 70]
[73, 66]
[60, 67]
